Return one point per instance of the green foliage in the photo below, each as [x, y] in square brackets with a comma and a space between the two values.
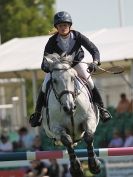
[21, 18]
[29, 95]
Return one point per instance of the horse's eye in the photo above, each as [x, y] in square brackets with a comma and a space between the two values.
[72, 79]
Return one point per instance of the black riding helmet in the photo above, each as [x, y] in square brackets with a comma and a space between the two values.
[62, 17]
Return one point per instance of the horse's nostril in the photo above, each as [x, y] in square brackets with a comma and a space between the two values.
[66, 109]
[69, 111]
[75, 107]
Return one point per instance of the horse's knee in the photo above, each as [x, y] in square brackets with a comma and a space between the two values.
[68, 143]
[66, 140]
[88, 138]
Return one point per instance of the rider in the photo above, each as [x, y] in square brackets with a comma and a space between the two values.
[67, 40]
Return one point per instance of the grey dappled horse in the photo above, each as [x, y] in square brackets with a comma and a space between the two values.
[69, 115]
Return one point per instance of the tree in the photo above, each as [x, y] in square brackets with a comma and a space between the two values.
[21, 18]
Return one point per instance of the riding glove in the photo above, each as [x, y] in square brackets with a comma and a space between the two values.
[92, 67]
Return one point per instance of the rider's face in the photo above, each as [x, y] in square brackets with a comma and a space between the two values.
[63, 28]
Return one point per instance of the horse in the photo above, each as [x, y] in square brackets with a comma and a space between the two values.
[70, 115]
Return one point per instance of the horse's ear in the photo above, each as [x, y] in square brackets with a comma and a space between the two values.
[48, 59]
[70, 58]
[56, 56]
[48, 62]
[64, 54]
[73, 55]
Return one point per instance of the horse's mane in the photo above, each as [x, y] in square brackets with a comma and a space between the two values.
[62, 62]
[64, 66]
[64, 58]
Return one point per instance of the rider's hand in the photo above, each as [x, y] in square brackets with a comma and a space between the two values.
[92, 67]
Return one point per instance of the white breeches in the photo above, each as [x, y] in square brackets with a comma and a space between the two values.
[81, 69]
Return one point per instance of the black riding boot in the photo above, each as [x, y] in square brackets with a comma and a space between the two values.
[35, 118]
[104, 114]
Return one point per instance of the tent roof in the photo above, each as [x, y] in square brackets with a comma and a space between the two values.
[21, 54]
[115, 44]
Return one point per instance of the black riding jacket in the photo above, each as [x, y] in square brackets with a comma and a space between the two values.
[80, 40]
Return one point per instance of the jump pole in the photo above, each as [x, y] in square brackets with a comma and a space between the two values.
[62, 154]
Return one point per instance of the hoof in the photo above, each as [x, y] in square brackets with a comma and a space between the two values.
[76, 169]
[94, 165]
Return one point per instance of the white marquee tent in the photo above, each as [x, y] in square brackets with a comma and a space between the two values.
[26, 53]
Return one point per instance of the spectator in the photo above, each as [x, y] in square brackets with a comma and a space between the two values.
[37, 169]
[54, 168]
[37, 144]
[66, 172]
[131, 106]
[25, 139]
[5, 144]
[128, 138]
[117, 140]
[13, 134]
[14, 138]
[123, 104]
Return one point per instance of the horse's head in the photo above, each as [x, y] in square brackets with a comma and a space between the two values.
[51, 59]
[63, 84]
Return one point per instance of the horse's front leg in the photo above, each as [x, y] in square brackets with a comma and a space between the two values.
[75, 166]
[93, 163]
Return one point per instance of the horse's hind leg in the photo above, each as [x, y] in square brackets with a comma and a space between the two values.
[75, 166]
[93, 162]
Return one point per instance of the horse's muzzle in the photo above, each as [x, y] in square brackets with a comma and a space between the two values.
[69, 110]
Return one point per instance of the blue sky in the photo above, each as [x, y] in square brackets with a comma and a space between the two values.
[96, 14]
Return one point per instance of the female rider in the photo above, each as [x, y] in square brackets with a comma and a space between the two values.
[69, 41]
